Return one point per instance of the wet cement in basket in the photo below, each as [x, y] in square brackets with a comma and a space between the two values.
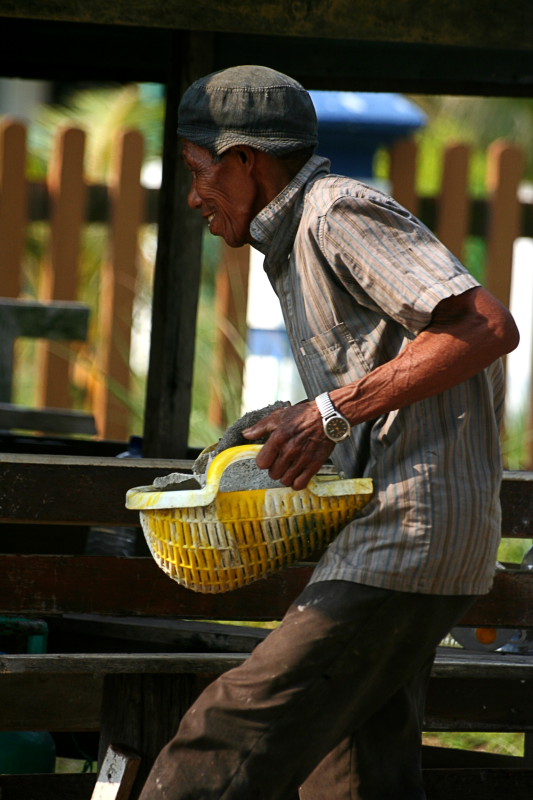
[238, 477]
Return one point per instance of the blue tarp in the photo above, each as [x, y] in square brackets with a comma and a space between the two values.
[353, 125]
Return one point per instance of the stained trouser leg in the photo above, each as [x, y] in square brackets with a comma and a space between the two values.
[258, 731]
[381, 759]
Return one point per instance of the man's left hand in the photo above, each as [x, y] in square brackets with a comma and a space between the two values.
[296, 447]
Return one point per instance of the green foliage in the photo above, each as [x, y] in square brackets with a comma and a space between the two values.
[475, 256]
[495, 118]
[226, 383]
[475, 121]
[478, 122]
[432, 141]
[509, 744]
[517, 441]
[102, 113]
[512, 551]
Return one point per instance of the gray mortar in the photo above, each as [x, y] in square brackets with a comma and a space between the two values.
[237, 477]
[177, 481]
[246, 475]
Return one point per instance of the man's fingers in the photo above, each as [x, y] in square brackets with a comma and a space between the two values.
[255, 432]
[295, 447]
[263, 427]
[294, 465]
[269, 454]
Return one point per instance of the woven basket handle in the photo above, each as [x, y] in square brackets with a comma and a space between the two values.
[144, 497]
[323, 486]
[226, 458]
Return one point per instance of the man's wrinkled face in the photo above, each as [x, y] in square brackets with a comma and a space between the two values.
[224, 191]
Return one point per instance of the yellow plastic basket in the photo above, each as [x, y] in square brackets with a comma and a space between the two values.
[211, 541]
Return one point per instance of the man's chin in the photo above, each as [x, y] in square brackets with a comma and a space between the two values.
[231, 242]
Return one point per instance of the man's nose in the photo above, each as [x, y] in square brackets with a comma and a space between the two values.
[193, 197]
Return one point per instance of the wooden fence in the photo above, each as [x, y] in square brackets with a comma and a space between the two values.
[454, 216]
[67, 202]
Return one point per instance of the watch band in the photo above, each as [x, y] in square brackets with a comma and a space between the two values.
[336, 426]
[325, 406]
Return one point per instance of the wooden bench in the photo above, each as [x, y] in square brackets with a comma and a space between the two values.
[60, 320]
[127, 653]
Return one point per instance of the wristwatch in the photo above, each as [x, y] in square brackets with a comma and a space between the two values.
[336, 427]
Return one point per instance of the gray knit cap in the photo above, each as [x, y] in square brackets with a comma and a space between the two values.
[249, 105]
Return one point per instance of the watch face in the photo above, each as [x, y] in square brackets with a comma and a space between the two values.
[337, 428]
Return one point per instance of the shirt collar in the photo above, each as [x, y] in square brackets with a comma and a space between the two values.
[274, 228]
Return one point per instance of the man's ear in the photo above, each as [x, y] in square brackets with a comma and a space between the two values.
[245, 154]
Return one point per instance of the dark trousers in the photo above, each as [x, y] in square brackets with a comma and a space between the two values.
[330, 704]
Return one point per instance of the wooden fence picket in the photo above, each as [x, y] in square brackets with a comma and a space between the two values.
[13, 205]
[505, 169]
[67, 193]
[453, 220]
[118, 285]
[230, 313]
[402, 174]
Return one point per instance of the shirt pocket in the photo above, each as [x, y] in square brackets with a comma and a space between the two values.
[336, 351]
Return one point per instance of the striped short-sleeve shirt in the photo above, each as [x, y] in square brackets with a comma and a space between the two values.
[358, 277]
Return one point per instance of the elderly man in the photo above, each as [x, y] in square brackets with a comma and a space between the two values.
[399, 350]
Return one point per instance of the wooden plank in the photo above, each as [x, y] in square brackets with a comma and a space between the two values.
[177, 273]
[402, 175]
[84, 490]
[434, 757]
[95, 633]
[48, 702]
[504, 173]
[348, 65]
[48, 585]
[454, 202]
[471, 704]
[106, 465]
[66, 188]
[120, 663]
[509, 604]
[455, 662]
[117, 774]
[118, 286]
[478, 784]
[66, 319]
[230, 312]
[46, 787]
[517, 504]
[529, 446]
[60, 274]
[80, 490]
[51, 420]
[528, 749]
[98, 208]
[25, 444]
[470, 666]
[48, 50]
[137, 712]
[477, 24]
[13, 205]
[29, 318]
[143, 712]
[64, 693]
[7, 360]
